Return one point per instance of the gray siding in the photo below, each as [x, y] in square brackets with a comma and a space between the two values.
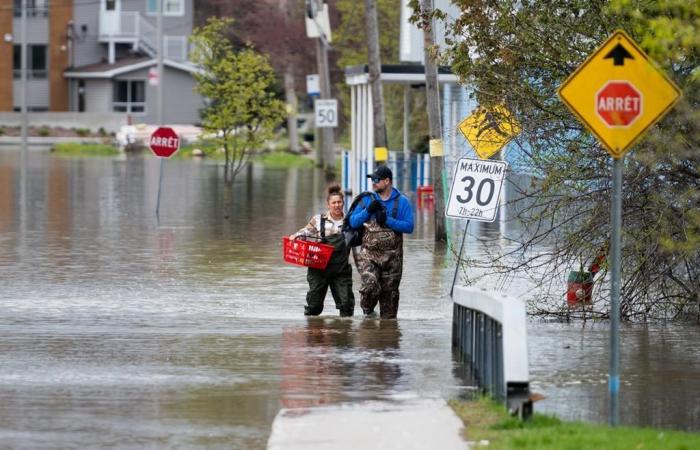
[87, 48]
[98, 95]
[37, 30]
[173, 25]
[182, 108]
[37, 93]
[181, 104]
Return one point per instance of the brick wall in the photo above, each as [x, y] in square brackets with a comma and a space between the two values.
[6, 56]
[60, 13]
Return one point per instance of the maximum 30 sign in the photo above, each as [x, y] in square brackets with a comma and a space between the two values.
[476, 189]
[326, 113]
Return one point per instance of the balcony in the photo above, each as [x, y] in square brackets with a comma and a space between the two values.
[130, 27]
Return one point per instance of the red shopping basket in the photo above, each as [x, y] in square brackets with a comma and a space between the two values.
[306, 253]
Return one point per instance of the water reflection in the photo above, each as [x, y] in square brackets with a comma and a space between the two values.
[338, 360]
[119, 333]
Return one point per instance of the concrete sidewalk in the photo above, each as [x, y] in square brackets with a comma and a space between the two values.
[413, 424]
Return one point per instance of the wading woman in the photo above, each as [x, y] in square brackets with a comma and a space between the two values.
[338, 274]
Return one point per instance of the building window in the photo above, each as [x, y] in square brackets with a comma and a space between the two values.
[111, 5]
[36, 61]
[170, 7]
[129, 96]
[34, 8]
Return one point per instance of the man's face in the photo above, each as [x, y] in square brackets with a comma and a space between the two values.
[380, 186]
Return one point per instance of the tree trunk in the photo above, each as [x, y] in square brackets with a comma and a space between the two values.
[291, 98]
[433, 100]
[375, 70]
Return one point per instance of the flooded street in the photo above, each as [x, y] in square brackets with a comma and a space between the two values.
[121, 332]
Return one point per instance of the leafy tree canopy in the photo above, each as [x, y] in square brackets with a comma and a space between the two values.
[517, 53]
[242, 110]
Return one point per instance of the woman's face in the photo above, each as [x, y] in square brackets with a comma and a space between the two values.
[335, 203]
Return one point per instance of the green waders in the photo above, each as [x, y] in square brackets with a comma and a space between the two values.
[337, 275]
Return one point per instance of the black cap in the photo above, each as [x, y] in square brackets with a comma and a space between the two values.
[380, 173]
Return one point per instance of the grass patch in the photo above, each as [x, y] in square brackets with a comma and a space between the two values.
[485, 420]
[274, 159]
[78, 149]
[283, 160]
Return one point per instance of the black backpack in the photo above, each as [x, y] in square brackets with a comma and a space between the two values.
[353, 237]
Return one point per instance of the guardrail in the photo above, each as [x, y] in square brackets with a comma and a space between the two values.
[489, 332]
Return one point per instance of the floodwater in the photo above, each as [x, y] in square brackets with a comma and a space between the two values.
[121, 331]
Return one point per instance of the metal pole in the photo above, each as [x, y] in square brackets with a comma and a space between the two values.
[159, 112]
[616, 224]
[23, 96]
[160, 62]
[406, 149]
[459, 258]
[23, 106]
[160, 184]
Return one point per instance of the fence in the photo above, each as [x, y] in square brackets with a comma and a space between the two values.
[489, 334]
[408, 176]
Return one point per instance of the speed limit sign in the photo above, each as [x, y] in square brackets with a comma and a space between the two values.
[326, 112]
[476, 189]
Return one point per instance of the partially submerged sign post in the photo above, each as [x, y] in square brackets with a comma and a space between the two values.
[476, 187]
[618, 93]
[164, 143]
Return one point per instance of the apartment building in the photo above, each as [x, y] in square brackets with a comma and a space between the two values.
[99, 56]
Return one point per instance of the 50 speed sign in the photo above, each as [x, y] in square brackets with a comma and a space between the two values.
[476, 189]
[326, 113]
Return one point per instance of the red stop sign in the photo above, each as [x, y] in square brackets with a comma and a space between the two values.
[164, 142]
[618, 103]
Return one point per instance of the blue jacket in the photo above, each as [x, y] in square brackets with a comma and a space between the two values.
[403, 223]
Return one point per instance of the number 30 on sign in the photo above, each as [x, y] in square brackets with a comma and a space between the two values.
[476, 189]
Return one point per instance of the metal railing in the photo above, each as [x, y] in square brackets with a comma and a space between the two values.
[136, 29]
[489, 335]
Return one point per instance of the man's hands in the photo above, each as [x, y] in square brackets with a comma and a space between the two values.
[375, 206]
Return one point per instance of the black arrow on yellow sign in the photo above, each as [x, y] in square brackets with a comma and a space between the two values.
[618, 55]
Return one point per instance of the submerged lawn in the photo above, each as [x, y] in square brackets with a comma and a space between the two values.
[487, 421]
[79, 149]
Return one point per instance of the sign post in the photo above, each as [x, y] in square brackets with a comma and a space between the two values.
[164, 143]
[475, 195]
[618, 93]
[488, 131]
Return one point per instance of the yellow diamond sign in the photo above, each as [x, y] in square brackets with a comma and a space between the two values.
[619, 93]
[488, 130]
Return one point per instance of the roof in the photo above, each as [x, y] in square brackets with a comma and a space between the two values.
[397, 73]
[122, 66]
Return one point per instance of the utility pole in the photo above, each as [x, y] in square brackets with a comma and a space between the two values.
[313, 10]
[433, 100]
[289, 91]
[375, 72]
[159, 87]
[23, 96]
[159, 57]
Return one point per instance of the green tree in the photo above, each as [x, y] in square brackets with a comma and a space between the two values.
[241, 111]
[518, 53]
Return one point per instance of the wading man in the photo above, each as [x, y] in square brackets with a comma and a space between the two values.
[386, 216]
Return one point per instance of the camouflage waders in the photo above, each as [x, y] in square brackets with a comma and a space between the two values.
[337, 275]
[380, 264]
